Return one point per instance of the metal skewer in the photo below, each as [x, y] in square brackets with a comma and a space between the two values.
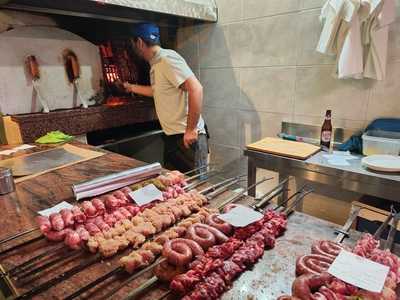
[27, 264]
[197, 169]
[150, 267]
[392, 232]
[74, 270]
[50, 263]
[208, 172]
[21, 245]
[5, 240]
[10, 238]
[302, 193]
[58, 278]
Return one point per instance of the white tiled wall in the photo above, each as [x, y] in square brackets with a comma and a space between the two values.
[258, 67]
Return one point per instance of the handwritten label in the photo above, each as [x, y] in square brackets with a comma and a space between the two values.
[359, 271]
[146, 195]
[241, 216]
[55, 209]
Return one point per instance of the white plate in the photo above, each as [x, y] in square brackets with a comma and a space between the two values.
[383, 163]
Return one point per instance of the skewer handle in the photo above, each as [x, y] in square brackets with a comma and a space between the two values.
[5, 240]
[343, 232]
[142, 288]
[392, 232]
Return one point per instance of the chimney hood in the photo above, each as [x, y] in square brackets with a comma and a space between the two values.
[167, 12]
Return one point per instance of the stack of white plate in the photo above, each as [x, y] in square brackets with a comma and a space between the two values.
[382, 163]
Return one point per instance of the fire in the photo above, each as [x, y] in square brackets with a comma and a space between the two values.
[115, 101]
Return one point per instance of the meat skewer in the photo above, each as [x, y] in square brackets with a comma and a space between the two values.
[325, 252]
[80, 216]
[133, 294]
[91, 226]
[74, 270]
[150, 267]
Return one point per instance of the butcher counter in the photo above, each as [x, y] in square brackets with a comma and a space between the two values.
[271, 277]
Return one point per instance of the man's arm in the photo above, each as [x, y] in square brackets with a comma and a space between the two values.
[143, 90]
[195, 103]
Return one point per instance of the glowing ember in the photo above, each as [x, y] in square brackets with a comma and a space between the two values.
[115, 101]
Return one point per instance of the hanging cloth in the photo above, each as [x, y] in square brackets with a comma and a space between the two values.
[336, 16]
[350, 62]
[376, 37]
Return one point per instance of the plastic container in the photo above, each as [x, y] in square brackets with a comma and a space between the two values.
[381, 142]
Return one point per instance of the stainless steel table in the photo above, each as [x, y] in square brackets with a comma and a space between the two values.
[353, 178]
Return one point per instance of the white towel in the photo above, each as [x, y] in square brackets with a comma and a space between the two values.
[382, 15]
[350, 61]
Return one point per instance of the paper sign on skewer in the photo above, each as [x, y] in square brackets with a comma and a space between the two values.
[146, 195]
[55, 209]
[241, 216]
[359, 271]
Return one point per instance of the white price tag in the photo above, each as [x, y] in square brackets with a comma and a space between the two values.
[24, 147]
[359, 271]
[7, 152]
[146, 195]
[241, 216]
[55, 209]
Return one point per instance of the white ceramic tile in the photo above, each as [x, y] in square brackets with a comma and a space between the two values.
[317, 91]
[229, 11]
[264, 42]
[385, 99]
[307, 40]
[254, 126]
[267, 89]
[222, 124]
[221, 87]
[213, 46]
[262, 8]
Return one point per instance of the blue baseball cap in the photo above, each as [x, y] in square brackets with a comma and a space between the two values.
[148, 32]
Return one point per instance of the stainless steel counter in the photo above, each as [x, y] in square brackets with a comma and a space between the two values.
[353, 178]
[273, 275]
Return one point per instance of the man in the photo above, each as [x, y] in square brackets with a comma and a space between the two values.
[178, 98]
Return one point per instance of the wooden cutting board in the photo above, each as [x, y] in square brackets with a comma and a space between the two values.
[286, 148]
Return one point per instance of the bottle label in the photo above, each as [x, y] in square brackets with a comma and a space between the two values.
[326, 136]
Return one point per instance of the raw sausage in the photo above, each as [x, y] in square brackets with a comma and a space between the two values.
[99, 205]
[111, 202]
[202, 236]
[79, 216]
[57, 222]
[327, 248]
[89, 210]
[312, 264]
[68, 217]
[304, 285]
[179, 252]
[217, 223]
[220, 237]
[73, 240]
[44, 224]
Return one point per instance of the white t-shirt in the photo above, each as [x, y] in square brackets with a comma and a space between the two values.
[168, 72]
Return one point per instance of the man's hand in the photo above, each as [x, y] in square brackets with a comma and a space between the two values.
[190, 137]
[128, 87]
